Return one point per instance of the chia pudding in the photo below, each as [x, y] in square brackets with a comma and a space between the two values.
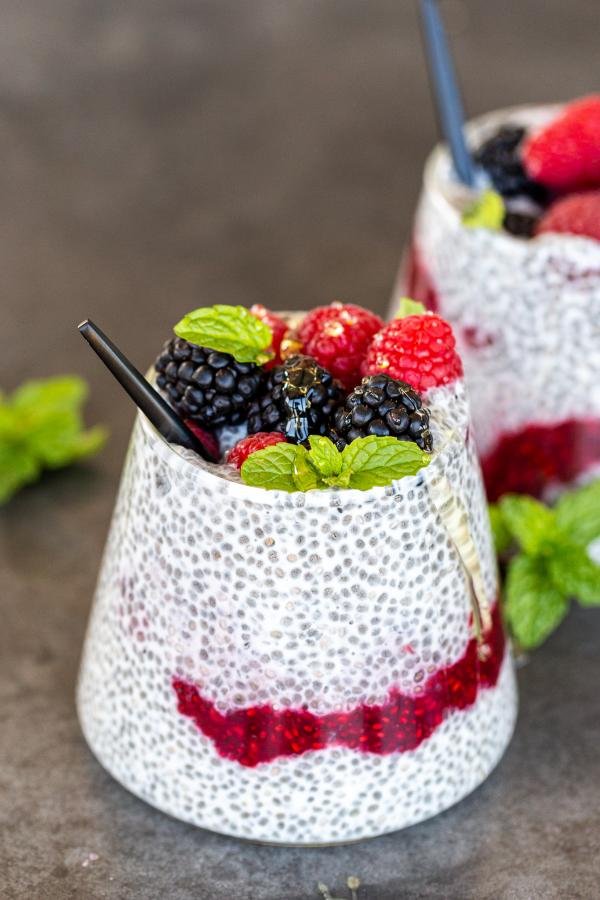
[526, 315]
[299, 667]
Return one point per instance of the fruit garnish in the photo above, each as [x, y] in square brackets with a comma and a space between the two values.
[419, 349]
[487, 211]
[251, 444]
[296, 398]
[575, 214]
[207, 386]
[500, 157]
[41, 428]
[365, 463]
[279, 328]
[551, 565]
[228, 329]
[206, 438]
[565, 154]
[382, 406]
[337, 336]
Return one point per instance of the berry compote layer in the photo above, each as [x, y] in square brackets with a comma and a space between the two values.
[338, 610]
[526, 315]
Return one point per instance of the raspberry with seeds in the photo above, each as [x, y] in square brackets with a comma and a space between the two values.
[575, 214]
[248, 445]
[278, 328]
[417, 349]
[337, 336]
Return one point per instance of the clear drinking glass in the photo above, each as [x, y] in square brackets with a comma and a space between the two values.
[299, 668]
[526, 315]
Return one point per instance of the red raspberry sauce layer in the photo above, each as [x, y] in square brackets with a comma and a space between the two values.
[418, 283]
[528, 460]
[260, 734]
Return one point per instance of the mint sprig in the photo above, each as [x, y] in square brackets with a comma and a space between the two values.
[41, 428]
[549, 564]
[408, 307]
[486, 212]
[365, 463]
[228, 329]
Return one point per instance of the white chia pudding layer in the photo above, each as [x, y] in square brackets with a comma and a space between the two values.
[322, 601]
[525, 312]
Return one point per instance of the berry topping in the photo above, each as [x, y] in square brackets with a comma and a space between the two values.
[565, 155]
[500, 156]
[575, 214]
[278, 327]
[337, 336]
[384, 407]
[206, 438]
[248, 445]
[417, 349]
[205, 385]
[297, 399]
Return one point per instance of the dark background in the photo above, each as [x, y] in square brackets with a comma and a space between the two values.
[157, 155]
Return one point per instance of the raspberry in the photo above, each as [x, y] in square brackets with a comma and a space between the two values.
[248, 445]
[204, 385]
[565, 155]
[297, 398]
[575, 214]
[337, 336]
[417, 349]
[383, 407]
[206, 438]
[277, 325]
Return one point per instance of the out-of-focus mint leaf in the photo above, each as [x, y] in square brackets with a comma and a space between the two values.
[534, 606]
[18, 467]
[486, 212]
[578, 513]
[575, 573]
[531, 523]
[501, 534]
[408, 307]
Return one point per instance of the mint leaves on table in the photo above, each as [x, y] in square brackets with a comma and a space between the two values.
[41, 428]
[365, 463]
[228, 329]
[552, 565]
[486, 212]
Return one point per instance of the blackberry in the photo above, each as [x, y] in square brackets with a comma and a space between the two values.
[520, 224]
[297, 398]
[500, 156]
[204, 385]
[382, 406]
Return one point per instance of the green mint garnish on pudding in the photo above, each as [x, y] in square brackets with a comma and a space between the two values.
[228, 329]
[365, 463]
[486, 212]
[408, 307]
[551, 564]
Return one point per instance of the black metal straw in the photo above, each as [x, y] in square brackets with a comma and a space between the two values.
[445, 89]
[158, 411]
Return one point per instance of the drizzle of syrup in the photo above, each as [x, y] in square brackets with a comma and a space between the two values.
[260, 734]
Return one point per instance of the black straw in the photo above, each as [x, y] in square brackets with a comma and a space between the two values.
[157, 410]
[445, 89]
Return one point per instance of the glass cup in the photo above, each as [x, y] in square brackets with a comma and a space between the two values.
[299, 668]
[526, 314]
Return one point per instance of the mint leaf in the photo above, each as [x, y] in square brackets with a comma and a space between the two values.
[306, 478]
[575, 573]
[408, 307]
[534, 606]
[501, 534]
[18, 467]
[486, 212]
[324, 456]
[228, 329]
[530, 522]
[273, 467]
[377, 461]
[578, 513]
[49, 394]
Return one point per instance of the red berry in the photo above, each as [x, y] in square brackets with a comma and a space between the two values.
[337, 336]
[418, 349]
[248, 445]
[565, 155]
[206, 438]
[575, 214]
[277, 325]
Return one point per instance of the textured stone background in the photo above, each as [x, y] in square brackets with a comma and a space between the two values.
[159, 155]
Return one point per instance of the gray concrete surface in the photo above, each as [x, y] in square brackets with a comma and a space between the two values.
[156, 156]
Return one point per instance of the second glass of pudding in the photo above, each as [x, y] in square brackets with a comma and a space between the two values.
[526, 315]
